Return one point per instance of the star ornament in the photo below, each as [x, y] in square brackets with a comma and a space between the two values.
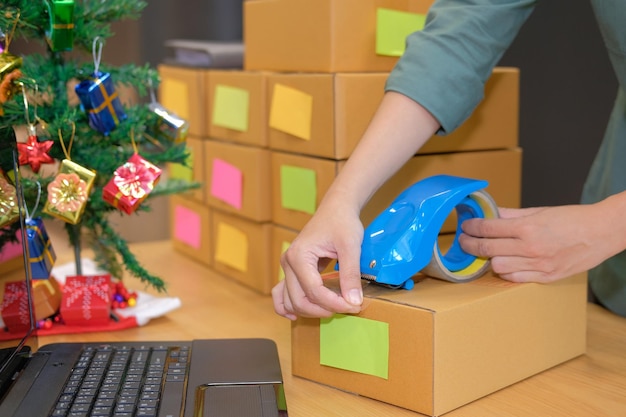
[35, 153]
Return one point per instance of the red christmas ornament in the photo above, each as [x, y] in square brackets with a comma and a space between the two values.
[35, 153]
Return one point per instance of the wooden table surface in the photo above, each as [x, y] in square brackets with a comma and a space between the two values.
[216, 307]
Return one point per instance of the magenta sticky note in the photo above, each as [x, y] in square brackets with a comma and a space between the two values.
[187, 226]
[227, 183]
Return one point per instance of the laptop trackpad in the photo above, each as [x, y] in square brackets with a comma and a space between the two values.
[253, 400]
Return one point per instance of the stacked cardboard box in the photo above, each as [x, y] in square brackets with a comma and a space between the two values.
[270, 139]
[267, 141]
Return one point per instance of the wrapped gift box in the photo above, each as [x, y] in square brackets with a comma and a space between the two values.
[47, 295]
[101, 102]
[131, 184]
[86, 300]
[15, 308]
[40, 250]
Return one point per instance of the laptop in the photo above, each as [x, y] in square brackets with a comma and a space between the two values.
[214, 377]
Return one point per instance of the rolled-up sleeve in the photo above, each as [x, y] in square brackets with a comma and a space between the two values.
[446, 64]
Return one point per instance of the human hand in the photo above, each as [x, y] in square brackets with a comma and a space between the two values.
[334, 232]
[543, 244]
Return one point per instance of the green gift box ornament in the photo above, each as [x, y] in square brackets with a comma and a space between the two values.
[60, 33]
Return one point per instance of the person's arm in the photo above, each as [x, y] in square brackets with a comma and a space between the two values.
[435, 87]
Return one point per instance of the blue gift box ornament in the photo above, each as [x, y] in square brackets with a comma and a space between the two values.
[101, 101]
[40, 250]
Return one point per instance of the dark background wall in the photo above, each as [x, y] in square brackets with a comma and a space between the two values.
[567, 92]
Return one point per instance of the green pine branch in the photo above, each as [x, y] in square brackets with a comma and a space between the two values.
[62, 120]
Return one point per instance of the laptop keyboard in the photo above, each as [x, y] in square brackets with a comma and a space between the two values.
[124, 381]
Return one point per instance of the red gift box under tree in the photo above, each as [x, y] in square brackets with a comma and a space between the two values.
[86, 300]
[15, 308]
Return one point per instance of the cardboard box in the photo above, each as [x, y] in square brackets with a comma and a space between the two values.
[237, 100]
[502, 169]
[494, 123]
[298, 185]
[241, 250]
[194, 170]
[315, 35]
[443, 345]
[238, 179]
[190, 228]
[182, 91]
[281, 239]
[341, 106]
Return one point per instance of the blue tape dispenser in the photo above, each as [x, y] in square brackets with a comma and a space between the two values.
[403, 239]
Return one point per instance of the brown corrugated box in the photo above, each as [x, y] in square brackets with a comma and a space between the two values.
[343, 105]
[501, 168]
[315, 35]
[194, 171]
[253, 163]
[190, 228]
[252, 82]
[242, 250]
[325, 172]
[450, 344]
[182, 91]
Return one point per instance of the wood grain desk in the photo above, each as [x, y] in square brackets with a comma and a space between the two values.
[216, 307]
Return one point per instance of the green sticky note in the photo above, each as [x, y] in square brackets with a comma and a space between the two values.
[298, 188]
[183, 172]
[392, 28]
[230, 107]
[355, 344]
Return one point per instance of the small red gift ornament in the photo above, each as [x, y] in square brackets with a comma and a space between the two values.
[86, 300]
[15, 308]
[131, 184]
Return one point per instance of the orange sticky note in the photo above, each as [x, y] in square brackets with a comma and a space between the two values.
[175, 96]
[231, 247]
[291, 111]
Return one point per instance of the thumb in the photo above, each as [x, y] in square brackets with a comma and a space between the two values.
[350, 277]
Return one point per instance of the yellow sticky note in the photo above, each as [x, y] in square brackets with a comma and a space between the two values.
[175, 96]
[392, 28]
[283, 249]
[231, 107]
[231, 247]
[291, 111]
[355, 344]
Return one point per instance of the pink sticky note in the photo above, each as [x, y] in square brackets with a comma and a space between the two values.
[227, 183]
[11, 250]
[187, 226]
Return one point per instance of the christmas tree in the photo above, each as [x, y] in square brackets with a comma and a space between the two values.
[108, 154]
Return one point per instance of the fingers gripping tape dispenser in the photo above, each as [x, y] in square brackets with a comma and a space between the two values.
[403, 239]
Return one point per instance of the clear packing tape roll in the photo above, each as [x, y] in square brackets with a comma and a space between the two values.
[403, 239]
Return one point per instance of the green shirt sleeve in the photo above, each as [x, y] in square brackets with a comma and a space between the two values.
[446, 64]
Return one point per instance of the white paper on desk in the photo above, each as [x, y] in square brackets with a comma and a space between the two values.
[147, 307]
